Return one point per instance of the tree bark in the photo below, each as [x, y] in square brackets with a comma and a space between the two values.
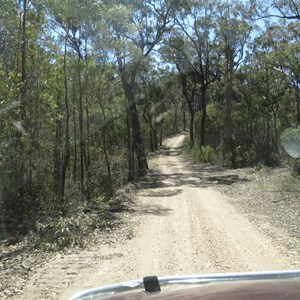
[67, 154]
[130, 150]
[23, 62]
[20, 166]
[81, 132]
[57, 157]
[137, 141]
[229, 95]
[192, 115]
[75, 145]
[151, 137]
[160, 133]
[128, 82]
[103, 131]
[297, 106]
[203, 115]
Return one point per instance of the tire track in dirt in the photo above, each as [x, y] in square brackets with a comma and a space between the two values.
[181, 226]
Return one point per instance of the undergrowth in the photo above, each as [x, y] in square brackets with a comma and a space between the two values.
[53, 234]
[205, 154]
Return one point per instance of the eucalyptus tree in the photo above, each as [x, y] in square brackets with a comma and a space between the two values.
[284, 39]
[197, 21]
[74, 24]
[234, 33]
[174, 101]
[283, 9]
[135, 28]
[26, 108]
[177, 51]
[269, 88]
[9, 115]
[150, 100]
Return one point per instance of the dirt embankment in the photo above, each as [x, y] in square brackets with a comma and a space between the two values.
[185, 219]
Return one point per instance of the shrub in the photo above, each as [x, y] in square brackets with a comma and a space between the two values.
[205, 154]
[187, 145]
[67, 231]
[55, 235]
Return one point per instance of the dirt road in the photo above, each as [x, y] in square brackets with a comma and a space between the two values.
[181, 225]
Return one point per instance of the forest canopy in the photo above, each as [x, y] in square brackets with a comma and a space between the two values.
[89, 88]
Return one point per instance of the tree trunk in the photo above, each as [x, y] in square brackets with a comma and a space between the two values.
[3, 229]
[130, 150]
[138, 144]
[267, 142]
[184, 120]
[160, 133]
[23, 62]
[297, 106]
[137, 141]
[155, 137]
[57, 172]
[67, 154]
[275, 129]
[18, 173]
[151, 137]
[87, 160]
[103, 131]
[75, 145]
[203, 115]
[81, 132]
[175, 124]
[192, 127]
[229, 95]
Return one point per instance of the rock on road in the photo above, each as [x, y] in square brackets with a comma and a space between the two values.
[184, 226]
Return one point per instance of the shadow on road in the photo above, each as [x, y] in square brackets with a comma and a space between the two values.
[192, 175]
[151, 209]
[165, 193]
[171, 151]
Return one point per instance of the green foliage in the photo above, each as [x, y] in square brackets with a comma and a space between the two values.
[56, 234]
[187, 145]
[68, 231]
[204, 154]
[100, 207]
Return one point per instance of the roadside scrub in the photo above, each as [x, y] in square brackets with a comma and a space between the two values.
[205, 154]
[53, 234]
